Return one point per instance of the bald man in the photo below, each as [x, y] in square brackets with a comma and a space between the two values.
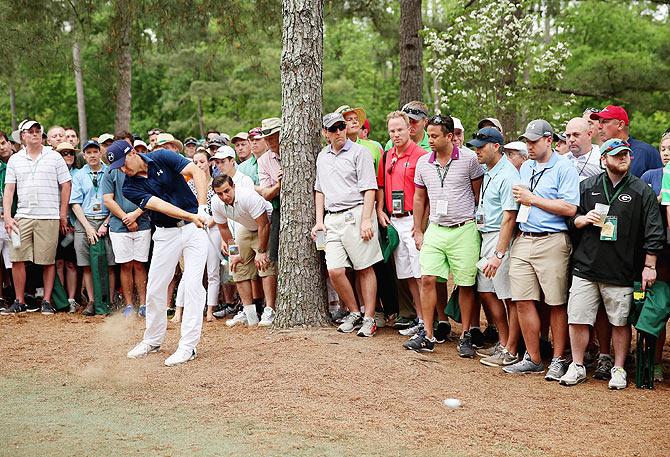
[583, 154]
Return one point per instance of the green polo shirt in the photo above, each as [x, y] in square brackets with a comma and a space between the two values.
[423, 144]
[250, 168]
[374, 148]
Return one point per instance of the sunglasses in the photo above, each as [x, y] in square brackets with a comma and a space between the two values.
[67, 153]
[415, 111]
[267, 132]
[438, 120]
[338, 126]
[615, 145]
[593, 110]
[154, 132]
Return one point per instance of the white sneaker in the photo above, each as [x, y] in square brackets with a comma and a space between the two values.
[180, 356]
[574, 375]
[267, 317]
[239, 319]
[142, 350]
[411, 331]
[618, 379]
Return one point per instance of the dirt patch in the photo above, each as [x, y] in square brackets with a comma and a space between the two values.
[307, 392]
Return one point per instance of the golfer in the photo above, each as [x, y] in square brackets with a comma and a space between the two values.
[156, 184]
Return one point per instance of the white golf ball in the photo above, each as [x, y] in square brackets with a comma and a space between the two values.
[452, 403]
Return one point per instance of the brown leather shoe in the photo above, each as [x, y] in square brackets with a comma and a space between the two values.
[90, 309]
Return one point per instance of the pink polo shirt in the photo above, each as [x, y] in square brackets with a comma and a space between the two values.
[268, 169]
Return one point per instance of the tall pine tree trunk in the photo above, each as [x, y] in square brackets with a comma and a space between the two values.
[411, 51]
[122, 36]
[302, 290]
[79, 85]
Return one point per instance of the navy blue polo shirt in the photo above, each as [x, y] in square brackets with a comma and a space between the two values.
[164, 180]
[645, 157]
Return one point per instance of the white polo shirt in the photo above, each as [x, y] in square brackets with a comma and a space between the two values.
[242, 180]
[37, 183]
[248, 205]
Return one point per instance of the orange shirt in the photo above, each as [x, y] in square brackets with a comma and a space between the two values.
[398, 174]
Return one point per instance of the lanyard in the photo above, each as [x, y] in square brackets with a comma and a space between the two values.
[539, 176]
[94, 180]
[622, 186]
[481, 197]
[34, 167]
[440, 175]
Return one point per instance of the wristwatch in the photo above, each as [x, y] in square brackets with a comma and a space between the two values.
[499, 255]
[262, 251]
[105, 224]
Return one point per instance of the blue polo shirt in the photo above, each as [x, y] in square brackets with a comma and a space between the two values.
[495, 195]
[87, 191]
[164, 181]
[557, 180]
[645, 157]
[112, 183]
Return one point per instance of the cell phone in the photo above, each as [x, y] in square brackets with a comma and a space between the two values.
[233, 249]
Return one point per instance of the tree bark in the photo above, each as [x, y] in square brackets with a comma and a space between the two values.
[79, 85]
[122, 35]
[411, 51]
[302, 289]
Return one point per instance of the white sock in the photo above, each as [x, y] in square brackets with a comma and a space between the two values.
[252, 317]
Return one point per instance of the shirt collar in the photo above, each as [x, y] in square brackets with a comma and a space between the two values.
[498, 166]
[552, 161]
[347, 145]
[455, 155]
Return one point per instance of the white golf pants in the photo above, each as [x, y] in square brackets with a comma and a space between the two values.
[169, 245]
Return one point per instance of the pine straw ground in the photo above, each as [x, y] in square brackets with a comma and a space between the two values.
[68, 389]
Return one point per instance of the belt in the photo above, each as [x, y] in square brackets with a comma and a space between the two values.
[405, 214]
[538, 234]
[457, 225]
[177, 224]
[341, 211]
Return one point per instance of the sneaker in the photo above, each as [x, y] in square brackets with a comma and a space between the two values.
[491, 334]
[89, 310]
[14, 308]
[369, 327]
[142, 350]
[604, 367]
[380, 320]
[525, 366]
[420, 343]
[338, 315]
[411, 331]
[74, 306]
[574, 375]
[477, 338]
[557, 368]
[442, 332]
[403, 322]
[349, 323]
[658, 373]
[618, 378]
[591, 355]
[465, 348]
[267, 317]
[180, 356]
[32, 307]
[128, 311]
[501, 358]
[46, 308]
[239, 319]
[142, 312]
[488, 352]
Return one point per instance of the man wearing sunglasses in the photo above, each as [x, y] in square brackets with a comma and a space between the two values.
[355, 117]
[92, 224]
[621, 235]
[345, 211]
[42, 182]
[613, 123]
[153, 136]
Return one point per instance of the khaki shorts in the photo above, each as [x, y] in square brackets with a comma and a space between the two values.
[83, 248]
[586, 297]
[246, 269]
[39, 240]
[344, 246]
[499, 284]
[539, 265]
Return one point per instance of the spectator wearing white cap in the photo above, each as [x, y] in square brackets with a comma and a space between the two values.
[168, 141]
[41, 180]
[140, 146]
[242, 146]
[516, 152]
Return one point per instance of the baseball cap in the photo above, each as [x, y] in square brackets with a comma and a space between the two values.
[217, 141]
[346, 109]
[240, 136]
[140, 143]
[496, 123]
[270, 126]
[190, 140]
[65, 146]
[611, 112]
[560, 136]
[366, 125]
[90, 144]
[224, 152]
[518, 146]
[331, 119]
[537, 129]
[117, 152]
[255, 133]
[165, 138]
[414, 112]
[457, 123]
[28, 124]
[485, 136]
[614, 146]
[105, 137]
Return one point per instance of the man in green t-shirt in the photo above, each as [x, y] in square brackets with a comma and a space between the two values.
[355, 117]
[418, 118]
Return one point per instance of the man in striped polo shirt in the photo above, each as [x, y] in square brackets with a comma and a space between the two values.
[41, 180]
[449, 178]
